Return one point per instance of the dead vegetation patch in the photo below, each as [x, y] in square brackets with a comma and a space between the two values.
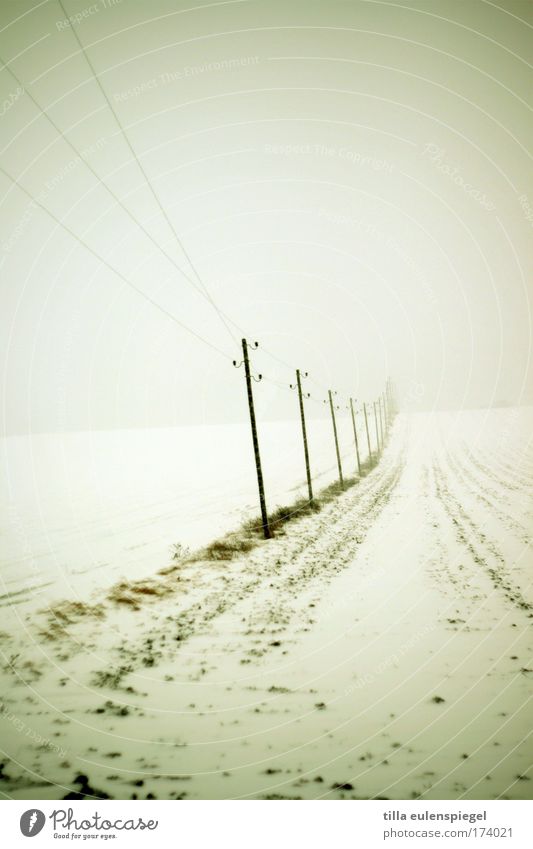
[132, 594]
[250, 533]
[234, 544]
[228, 547]
[65, 613]
[69, 612]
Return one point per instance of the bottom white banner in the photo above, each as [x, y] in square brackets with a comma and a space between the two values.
[265, 824]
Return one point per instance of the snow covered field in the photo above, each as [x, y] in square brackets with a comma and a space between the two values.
[85, 509]
[381, 648]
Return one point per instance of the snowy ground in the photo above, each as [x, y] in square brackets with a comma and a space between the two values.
[82, 510]
[379, 648]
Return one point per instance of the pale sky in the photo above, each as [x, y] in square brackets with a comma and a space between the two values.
[352, 180]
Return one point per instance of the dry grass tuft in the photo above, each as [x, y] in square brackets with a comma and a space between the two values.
[331, 492]
[131, 594]
[250, 534]
[68, 612]
[228, 547]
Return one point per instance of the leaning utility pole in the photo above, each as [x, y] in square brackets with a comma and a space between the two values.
[260, 484]
[304, 432]
[336, 437]
[355, 439]
[367, 435]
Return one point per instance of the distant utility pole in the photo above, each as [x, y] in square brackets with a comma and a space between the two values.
[304, 431]
[386, 409]
[376, 423]
[367, 435]
[330, 395]
[380, 422]
[260, 484]
[355, 439]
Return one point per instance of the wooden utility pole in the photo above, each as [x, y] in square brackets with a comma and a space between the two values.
[355, 439]
[367, 435]
[380, 422]
[255, 440]
[377, 430]
[304, 434]
[330, 395]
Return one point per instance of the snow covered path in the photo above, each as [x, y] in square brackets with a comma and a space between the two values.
[379, 649]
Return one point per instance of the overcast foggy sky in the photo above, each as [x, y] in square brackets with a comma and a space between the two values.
[352, 180]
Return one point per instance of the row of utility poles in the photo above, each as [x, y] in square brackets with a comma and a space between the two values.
[384, 409]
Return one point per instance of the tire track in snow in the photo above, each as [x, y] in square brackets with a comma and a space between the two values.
[509, 471]
[466, 530]
[484, 469]
[333, 550]
[313, 549]
[477, 487]
[464, 578]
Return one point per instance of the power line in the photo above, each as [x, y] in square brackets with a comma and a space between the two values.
[101, 182]
[202, 288]
[226, 319]
[288, 366]
[116, 271]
